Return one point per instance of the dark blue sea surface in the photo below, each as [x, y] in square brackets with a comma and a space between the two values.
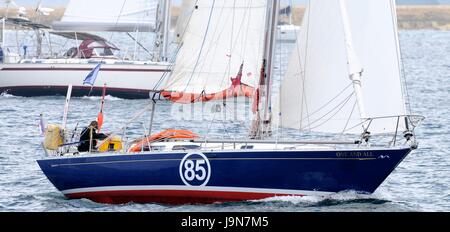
[420, 183]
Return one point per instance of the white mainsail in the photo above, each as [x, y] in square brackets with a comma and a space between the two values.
[220, 36]
[317, 93]
[186, 10]
[109, 15]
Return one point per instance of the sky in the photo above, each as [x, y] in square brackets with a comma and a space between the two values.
[64, 2]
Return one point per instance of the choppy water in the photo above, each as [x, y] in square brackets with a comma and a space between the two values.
[420, 183]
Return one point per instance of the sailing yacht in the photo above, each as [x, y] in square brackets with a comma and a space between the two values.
[126, 77]
[345, 81]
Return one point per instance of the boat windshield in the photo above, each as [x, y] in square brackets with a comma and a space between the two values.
[103, 52]
[185, 147]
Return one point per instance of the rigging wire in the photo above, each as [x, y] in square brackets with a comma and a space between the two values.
[232, 48]
[329, 102]
[303, 68]
[241, 34]
[340, 106]
[348, 120]
[118, 18]
[213, 47]
[280, 53]
[175, 54]
[203, 43]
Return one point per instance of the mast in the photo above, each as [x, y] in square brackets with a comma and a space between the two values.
[355, 69]
[163, 27]
[38, 42]
[291, 4]
[165, 48]
[262, 122]
[3, 32]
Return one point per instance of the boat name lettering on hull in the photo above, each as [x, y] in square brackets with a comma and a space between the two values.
[354, 154]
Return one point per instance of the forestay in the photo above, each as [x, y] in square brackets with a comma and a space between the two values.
[109, 15]
[220, 37]
[317, 93]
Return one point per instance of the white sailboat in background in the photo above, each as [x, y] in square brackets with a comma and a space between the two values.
[126, 77]
[345, 78]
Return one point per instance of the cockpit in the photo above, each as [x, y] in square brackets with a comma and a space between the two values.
[92, 46]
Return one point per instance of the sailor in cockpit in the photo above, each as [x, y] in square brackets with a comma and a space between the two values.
[89, 135]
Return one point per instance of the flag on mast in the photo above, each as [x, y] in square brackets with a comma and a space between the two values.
[100, 114]
[92, 76]
[285, 11]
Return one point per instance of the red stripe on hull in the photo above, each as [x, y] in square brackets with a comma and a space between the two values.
[170, 196]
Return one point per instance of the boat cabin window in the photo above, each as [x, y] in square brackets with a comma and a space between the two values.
[103, 52]
[157, 148]
[247, 147]
[154, 148]
[71, 53]
[185, 147]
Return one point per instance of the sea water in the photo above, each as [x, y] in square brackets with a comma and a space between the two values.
[420, 183]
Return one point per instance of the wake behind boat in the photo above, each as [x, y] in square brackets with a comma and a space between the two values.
[342, 96]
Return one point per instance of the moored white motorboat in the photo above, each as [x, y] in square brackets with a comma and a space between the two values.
[287, 33]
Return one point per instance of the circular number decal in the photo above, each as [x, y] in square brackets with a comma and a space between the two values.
[195, 169]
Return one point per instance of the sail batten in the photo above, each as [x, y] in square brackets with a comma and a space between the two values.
[314, 94]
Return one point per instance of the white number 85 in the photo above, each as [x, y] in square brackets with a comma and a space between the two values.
[198, 169]
[189, 173]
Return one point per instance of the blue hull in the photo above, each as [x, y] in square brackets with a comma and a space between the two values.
[219, 176]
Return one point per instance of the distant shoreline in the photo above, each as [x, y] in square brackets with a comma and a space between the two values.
[412, 17]
[424, 17]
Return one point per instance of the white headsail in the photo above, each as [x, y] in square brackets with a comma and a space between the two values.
[318, 94]
[219, 37]
[109, 15]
